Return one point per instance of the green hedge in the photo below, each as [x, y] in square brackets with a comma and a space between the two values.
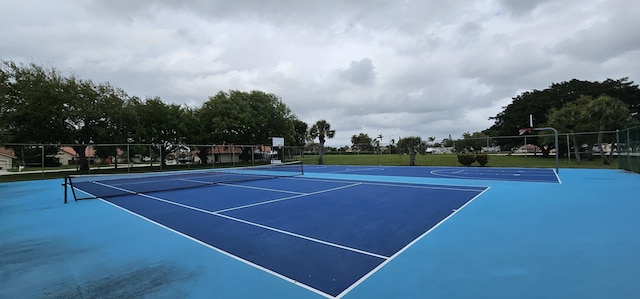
[468, 159]
[482, 159]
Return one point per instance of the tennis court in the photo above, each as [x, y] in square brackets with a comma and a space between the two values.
[334, 231]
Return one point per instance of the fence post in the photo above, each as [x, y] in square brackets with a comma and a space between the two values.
[42, 152]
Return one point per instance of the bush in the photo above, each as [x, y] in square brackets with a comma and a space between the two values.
[466, 159]
[482, 159]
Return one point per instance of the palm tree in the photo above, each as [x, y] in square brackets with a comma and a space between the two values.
[410, 144]
[321, 130]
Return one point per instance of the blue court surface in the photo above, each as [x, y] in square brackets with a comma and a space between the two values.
[334, 232]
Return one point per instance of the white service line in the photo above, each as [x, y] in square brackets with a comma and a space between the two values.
[217, 213]
[287, 198]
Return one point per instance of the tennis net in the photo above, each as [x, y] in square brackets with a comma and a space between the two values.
[102, 186]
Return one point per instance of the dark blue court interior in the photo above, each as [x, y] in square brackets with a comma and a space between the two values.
[325, 234]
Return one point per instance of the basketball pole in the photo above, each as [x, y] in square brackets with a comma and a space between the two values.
[555, 132]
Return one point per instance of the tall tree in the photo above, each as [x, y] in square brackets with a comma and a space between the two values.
[93, 114]
[412, 145]
[161, 124]
[569, 119]
[361, 142]
[5, 85]
[246, 118]
[300, 132]
[608, 113]
[42, 106]
[35, 106]
[539, 102]
[321, 130]
[591, 114]
[377, 141]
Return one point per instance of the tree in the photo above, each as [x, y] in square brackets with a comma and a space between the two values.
[539, 103]
[569, 119]
[5, 85]
[411, 144]
[377, 142]
[42, 106]
[321, 130]
[35, 107]
[589, 114]
[300, 132]
[246, 118]
[161, 124]
[361, 142]
[93, 115]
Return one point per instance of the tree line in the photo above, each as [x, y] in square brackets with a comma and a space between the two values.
[570, 107]
[40, 105]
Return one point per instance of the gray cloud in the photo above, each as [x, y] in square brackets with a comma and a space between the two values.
[521, 7]
[359, 72]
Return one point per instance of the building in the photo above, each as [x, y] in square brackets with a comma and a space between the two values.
[6, 159]
[224, 154]
[67, 155]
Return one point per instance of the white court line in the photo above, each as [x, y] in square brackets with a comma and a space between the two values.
[502, 174]
[237, 258]
[264, 226]
[287, 198]
[263, 189]
[429, 187]
[557, 176]
[114, 187]
[217, 213]
[363, 278]
[404, 185]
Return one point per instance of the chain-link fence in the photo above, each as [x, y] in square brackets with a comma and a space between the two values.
[94, 158]
[581, 149]
[629, 149]
[584, 149]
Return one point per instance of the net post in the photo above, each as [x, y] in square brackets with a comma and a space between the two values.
[65, 189]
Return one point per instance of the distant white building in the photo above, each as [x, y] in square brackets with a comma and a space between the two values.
[491, 149]
[440, 150]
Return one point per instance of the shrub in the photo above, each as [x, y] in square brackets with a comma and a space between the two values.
[466, 159]
[482, 159]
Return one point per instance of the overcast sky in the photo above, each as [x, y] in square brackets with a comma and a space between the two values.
[397, 68]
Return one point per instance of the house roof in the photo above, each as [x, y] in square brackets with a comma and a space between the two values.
[7, 152]
[221, 149]
[88, 151]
